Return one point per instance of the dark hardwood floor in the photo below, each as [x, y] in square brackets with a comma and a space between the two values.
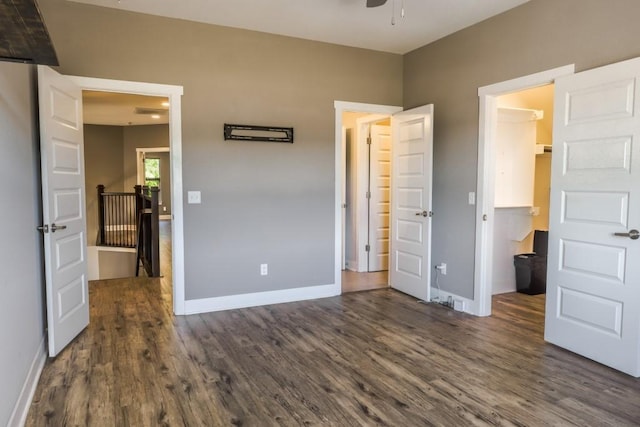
[366, 358]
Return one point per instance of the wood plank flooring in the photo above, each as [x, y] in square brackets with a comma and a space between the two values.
[362, 359]
[356, 282]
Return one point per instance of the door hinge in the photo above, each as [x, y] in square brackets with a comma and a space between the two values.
[367, 248]
[368, 194]
[344, 205]
[369, 140]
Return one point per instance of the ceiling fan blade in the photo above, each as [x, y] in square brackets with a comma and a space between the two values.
[375, 3]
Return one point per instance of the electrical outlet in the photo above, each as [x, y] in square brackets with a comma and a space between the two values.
[472, 197]
[442, 268]
[264, 269]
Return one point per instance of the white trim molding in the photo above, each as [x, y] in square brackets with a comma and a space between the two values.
[21, 409]
[340, 108]
[467, 304]
[231, 302]
[153, 150]
[174, 94]
[488, 119]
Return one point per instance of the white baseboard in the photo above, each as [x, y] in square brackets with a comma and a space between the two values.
[468, 304]
[21, 410]
[206, 305]
[351, 265]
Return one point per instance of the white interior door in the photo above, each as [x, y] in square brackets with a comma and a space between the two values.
[379, 189]
[65, 243]
[343, 167]
[412, 148]
[593, 284]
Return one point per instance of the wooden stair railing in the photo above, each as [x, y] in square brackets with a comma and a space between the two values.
[148, 230]
[131, 220]
[116, 219]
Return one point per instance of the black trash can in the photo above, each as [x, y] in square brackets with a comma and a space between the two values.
[531, 273]
[540, 242]
[531, 269]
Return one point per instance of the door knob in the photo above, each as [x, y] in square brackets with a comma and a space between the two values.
[632, 234]
[424, 213]
[44, 228]
[55, 227]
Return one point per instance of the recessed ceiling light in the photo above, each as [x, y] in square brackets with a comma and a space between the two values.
[165, 104]
[155, 116]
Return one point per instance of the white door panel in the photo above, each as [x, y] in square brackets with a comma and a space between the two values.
[593, 284]
[411, 198]
[61, 137]
[596, 208]
[379, 180]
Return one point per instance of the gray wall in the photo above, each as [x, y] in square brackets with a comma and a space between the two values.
[145, 137]
[21, 281]
[261, 202]
[103, 160]
[539, 35]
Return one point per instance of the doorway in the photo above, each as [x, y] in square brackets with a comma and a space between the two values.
[510, 94]
[368, 149]
[366, 185]
[173, 96]
[116, 125]
[522, 190]
[410, 182]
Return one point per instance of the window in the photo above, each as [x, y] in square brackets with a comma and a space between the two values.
[152, 172]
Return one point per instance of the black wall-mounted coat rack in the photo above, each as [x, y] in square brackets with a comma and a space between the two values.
[257, 133]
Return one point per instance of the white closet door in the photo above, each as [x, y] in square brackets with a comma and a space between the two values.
[379, 188]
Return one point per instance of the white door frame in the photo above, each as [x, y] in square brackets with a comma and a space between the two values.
[340, 108]
[481, 304]
[174, 93]
[343, 202]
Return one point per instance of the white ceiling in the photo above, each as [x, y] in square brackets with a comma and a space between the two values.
[119, 109]
[344, 22]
